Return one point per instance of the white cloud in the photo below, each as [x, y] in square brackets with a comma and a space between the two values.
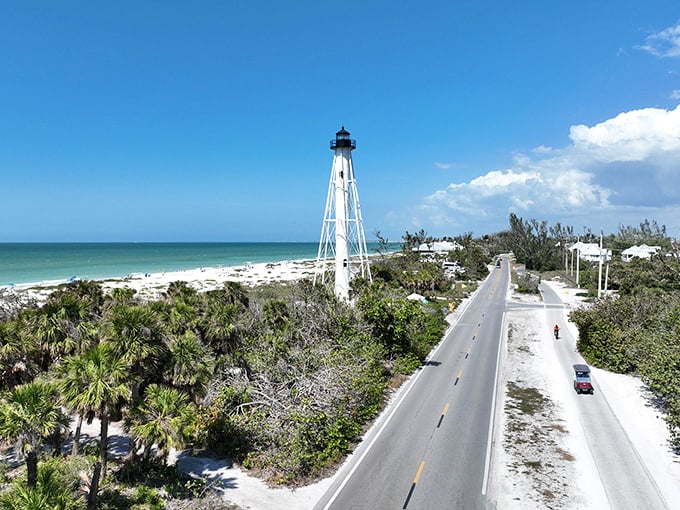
[542, 149]
[630, 136]
[494, 180]
[675, 94]
[617, 172]
[446, 166]
[665, 43]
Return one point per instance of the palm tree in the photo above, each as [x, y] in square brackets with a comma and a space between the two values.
[221, 312]
[96, 383]
[190, 366]
[17, 364]
[124, 295]
[29, 415]
[179, 315]
[62, 326]
[136, 336]
[89, 295]
[72, 381]
[218, 326]
[54, 332]
[160, 419]
[233, 293]
[180, 290]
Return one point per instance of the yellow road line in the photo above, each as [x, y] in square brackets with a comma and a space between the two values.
[420, 470]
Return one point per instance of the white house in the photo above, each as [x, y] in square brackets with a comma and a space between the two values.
[440, 247]
[643, 252]
[591, 251]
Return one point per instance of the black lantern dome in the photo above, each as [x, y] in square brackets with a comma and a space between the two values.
[342, 139]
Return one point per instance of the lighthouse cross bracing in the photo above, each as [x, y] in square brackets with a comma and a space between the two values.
[342, 232]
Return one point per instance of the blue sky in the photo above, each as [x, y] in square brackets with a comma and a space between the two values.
[210, 121]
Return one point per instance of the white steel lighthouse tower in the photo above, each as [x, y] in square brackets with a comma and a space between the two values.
[342, 233]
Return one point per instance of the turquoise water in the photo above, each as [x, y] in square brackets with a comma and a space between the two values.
[37, 262]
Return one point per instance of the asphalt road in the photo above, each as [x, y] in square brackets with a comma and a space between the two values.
[430, 449]
[624, 477]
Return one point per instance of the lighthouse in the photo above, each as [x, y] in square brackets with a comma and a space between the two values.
[342, 234]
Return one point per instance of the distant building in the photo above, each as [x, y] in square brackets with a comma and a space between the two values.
[642, 252]
[591, 251]
[441, 247]
[452, 269]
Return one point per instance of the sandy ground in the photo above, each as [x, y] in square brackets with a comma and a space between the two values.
[554, 438]
[551, 438]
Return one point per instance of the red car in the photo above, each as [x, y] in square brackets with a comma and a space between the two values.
[582, 382]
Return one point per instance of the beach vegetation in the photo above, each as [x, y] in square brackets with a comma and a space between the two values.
[11, 303]
[29, 416]
[190, 365]
[58, 487]
[95, 384]
[526, 282]
[160, 420]
[122, 296]
[403, 327]
[283, 377]
[384, 247]
[311, 377]
[18, 354]
[137, 337]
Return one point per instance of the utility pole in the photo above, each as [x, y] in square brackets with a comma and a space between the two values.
[599, 273]
[606, 277]
[578, 262]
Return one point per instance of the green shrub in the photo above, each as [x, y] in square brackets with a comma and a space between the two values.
[406, 364]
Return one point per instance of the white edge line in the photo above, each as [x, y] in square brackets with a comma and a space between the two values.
[389, 417]
[492, 417]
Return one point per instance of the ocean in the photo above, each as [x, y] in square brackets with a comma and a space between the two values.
[41, 262]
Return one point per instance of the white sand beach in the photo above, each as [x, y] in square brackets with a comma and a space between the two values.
[152, 285]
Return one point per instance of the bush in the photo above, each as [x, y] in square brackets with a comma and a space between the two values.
[58, 487]
[527, 283]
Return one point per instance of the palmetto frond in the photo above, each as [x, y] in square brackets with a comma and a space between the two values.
[30, 413]
[160, 419]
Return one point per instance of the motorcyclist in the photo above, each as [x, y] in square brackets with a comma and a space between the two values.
[556, 331]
